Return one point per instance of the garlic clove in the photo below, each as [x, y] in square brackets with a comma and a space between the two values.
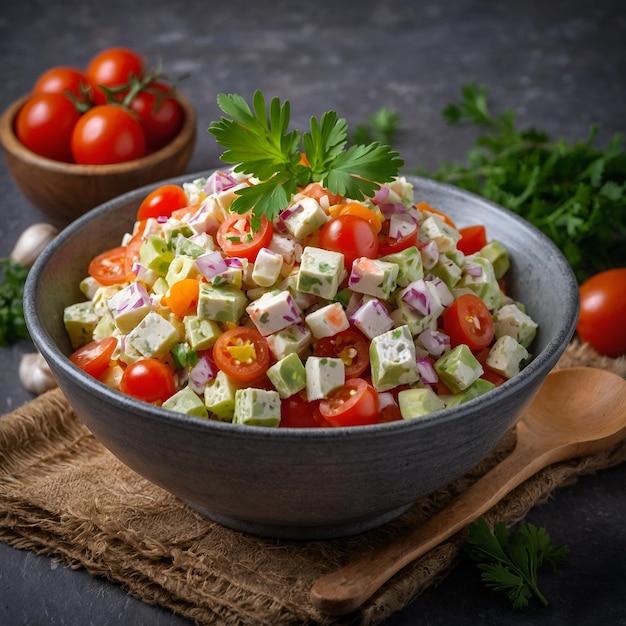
[35, 374]
[31, 242]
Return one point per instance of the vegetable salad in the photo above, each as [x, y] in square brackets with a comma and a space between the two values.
[337, 312]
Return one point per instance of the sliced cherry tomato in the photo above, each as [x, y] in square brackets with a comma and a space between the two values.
[353, 236]
[63, 79]
[389, 245]
[160, 114]
[236, 238]
[316, 191]
[297, 412]
[148, 379]
[45, 124]
[473, 239]
[353, 404]
[95, 357]
[132, 250]
[107, 134]
[602, 320]
[424, 207]
[468, 320]
[113, 67]
[109, 267]
[182, 298]
[348, 345]
[242, 353]
[162, 202]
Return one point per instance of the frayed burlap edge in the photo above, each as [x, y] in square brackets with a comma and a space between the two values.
[62, 494]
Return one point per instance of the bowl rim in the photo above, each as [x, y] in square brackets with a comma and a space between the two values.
[18, 150]
[531, 375]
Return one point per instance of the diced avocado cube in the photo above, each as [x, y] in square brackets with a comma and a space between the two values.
[155, 254]
[288, 375]
[320, 272]
[323, 376]
[392, 359]
[80, 320]
[448, 271]
[409, 262]
[186, 247]
[511, 320]
[477, 388]
[222, 303]
[373, 277]
[172, 229]
[201, 333]
[154, 336]
[484, 284]
[105, 327]
[257, 407]
[294, 338]
[418, 402]
[160, 286]
[187, 402]
[506, 356]
[458, 368]
[219, 396]
[495, 252]
[180, 268]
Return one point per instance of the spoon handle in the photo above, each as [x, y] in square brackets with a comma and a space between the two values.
[344, 590]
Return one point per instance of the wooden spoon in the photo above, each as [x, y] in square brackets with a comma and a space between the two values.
[577, 412]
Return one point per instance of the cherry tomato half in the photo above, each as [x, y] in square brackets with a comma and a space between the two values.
[107, 134]
[316, 191]
[163, 201]
[351, 235]
[236, 238]
[62, 79]
[389, 245]
[473, 239]
[148, 379]
[468, 320]
[602, 320]
[353, 404]
[95, 357]
[45, 125]
[242, 353]
[297, 412]
[109, 267]
[348, 345]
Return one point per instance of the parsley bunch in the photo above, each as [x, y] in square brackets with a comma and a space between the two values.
[573, 192]
[510, 562]
[260, 144]
[12, 280]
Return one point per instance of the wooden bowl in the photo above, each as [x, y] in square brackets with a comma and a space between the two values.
[64, 191]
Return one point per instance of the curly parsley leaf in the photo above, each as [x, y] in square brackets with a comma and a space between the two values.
[258, 142]
[510, 562]
[12, 281]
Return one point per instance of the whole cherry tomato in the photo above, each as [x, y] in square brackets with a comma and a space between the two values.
[113, 67]
[351, 235]
[148, 379]
[602, 320]
[107, 133]
[163, 201]
[62, 79]
[45, 125]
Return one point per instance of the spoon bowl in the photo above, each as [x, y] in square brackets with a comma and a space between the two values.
[576, 412]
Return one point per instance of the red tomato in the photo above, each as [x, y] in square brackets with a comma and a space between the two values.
[354, 404]
[132, 250]
[62, 79]
[45, 125]
[94, 358]
[149, 380]
[488, 374]
[160, 114]
[316, 191]
[351, 235]
[107, 134]
[235, 237]
[350, 346]
[109, 267]
[297, 412]
[163, 201]
[468, 320]
[473, 238]
[388, 245]
[602, 320]
[242, 353]
[113, 67]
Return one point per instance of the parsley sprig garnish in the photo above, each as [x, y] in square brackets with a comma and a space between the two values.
[259, 143]
[12, 323]
[510, 561]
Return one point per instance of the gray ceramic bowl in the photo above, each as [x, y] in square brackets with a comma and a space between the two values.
[298, 483]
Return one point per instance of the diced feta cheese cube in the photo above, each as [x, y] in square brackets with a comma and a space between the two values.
[154, 336]
[327, 320]
[208, 217]
[221, 303]
[302, 300]
[371, 317]
[257, 407]
[433, 228]
[296, 339]
[511, 320]
[320, 272]
[286, 246]
[506, 356]
[274, 311]
[393, 359]
[267, 267]
[129, 306]
[323, 376]
[303, 217]
[374, 277]
[80, 320]
[219, 396]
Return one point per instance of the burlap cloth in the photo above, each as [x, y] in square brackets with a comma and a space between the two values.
[64, 495]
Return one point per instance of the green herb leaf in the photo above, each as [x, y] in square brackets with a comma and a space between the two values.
[510, 562]
[12, 323]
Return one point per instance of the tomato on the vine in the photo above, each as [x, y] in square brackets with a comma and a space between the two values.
[602, 319]
[353, 404]
[95, 357]
[351, 235]
[348, 345]
[468, 320]
[113, 67]
[62, 79]
[242, 353]
[160, 114]
[106, 134]
[162, 202]
[148, 379]
[236, 238]
[45, 124]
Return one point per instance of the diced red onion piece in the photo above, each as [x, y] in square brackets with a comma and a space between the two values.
[401, 225]
[430, 254]
[418, 296]
[381, 195]
[434, 341]
[427, 371]
[211, 264]
[474, 269]
[201, 373]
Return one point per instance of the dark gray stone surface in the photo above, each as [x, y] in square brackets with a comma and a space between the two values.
[560, 65]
